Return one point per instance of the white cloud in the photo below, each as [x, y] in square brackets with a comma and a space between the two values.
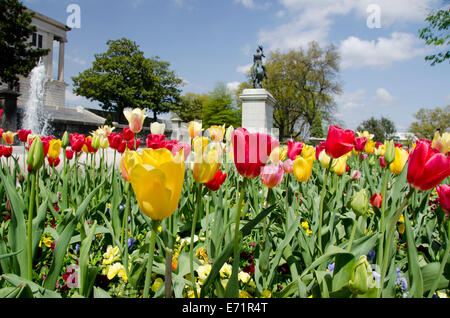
[383, 52]
[351, 101]
[384, 97]
[244, 69]
[312, 20]
[76, 60]
[232, 86]
[254, 4]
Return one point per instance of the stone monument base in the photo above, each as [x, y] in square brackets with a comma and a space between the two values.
[257, 111]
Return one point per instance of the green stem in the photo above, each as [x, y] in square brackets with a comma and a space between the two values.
[383, 208]
[30, 225]
[443, 263]
[322, 198]
[390, 235]
[352, 236]
[151, 252]
[125, 228]
[191, 245]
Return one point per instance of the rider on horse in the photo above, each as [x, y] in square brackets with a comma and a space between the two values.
[259, 71]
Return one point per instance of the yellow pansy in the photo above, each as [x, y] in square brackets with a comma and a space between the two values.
[47, 241]
[156, 284]
[244, 277]
[225, 271]
[203, 272]
[116, 269]
[111, 255]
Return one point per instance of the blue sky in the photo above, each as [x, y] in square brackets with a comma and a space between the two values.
[383, 70]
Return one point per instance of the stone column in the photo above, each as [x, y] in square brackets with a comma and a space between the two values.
[257, 110]
[61, 61]
[49, 58]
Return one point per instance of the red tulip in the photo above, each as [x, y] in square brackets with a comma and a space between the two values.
[319, 148]
[215, 183]
[6, 151]
[360, 143]
[444, 197]
[271, 175]
[128, 134]
[382, 162]
[122, 147]
[69, 154]
[53, 163]
[23, 134]
[76, 142]
[339, 142]
[294, 149]
[427, 167]
[251, 151]
[1, 111]
[376, 200]
[115, 139]
[156, 141]
[131, 144]
[1, 133]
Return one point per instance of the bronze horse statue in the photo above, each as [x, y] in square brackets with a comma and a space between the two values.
[258, 70]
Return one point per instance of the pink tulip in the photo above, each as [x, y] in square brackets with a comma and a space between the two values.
[271, 175]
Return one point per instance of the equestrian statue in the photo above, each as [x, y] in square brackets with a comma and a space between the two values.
[258, 69]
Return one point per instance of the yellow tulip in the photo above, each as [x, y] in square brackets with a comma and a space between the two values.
[278, 154]
[401, 156]
[206, 163]
[8, 137]
[54, 148]
[104, 143]
[302, 169]
[380, 150]
[309, 153]
[324, 159]
[129, 160]
[339, 165]
[366, 134]
[194, 129]
[441, 143]
[135, 119]
[370, 147]
[216, 133]
[157, 180]
[199, 144]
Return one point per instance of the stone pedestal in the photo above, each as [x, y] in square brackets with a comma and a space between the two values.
[8, 102]
[257, 110]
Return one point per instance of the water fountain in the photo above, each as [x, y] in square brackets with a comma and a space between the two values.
[34, 116]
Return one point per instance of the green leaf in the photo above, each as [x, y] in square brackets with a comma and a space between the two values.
[38, 291]
[86, 273]
[429, 276]
[414, 272]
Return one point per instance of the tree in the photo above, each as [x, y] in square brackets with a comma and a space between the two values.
[17, 56]
[191, 107]
[123, 77]
[429, 120]
[303, 82]
[219, 108]
[382, 129]
[317, 128]
[437, 34]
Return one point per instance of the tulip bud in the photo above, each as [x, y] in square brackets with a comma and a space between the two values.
[389, 153]
[65, 140]
[355, 175]
[95, 142]
[36, 156]
[324, 159]
[360, 203]
[362, 279]
[372, 161]
[21, 177]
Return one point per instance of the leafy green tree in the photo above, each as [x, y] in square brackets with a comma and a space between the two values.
[123, 77]
[437, 34]
[17, 56]
[191, 107]
[317, 128]
[382, 129]
[220, 109]
[429, 120]
[303, 82]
